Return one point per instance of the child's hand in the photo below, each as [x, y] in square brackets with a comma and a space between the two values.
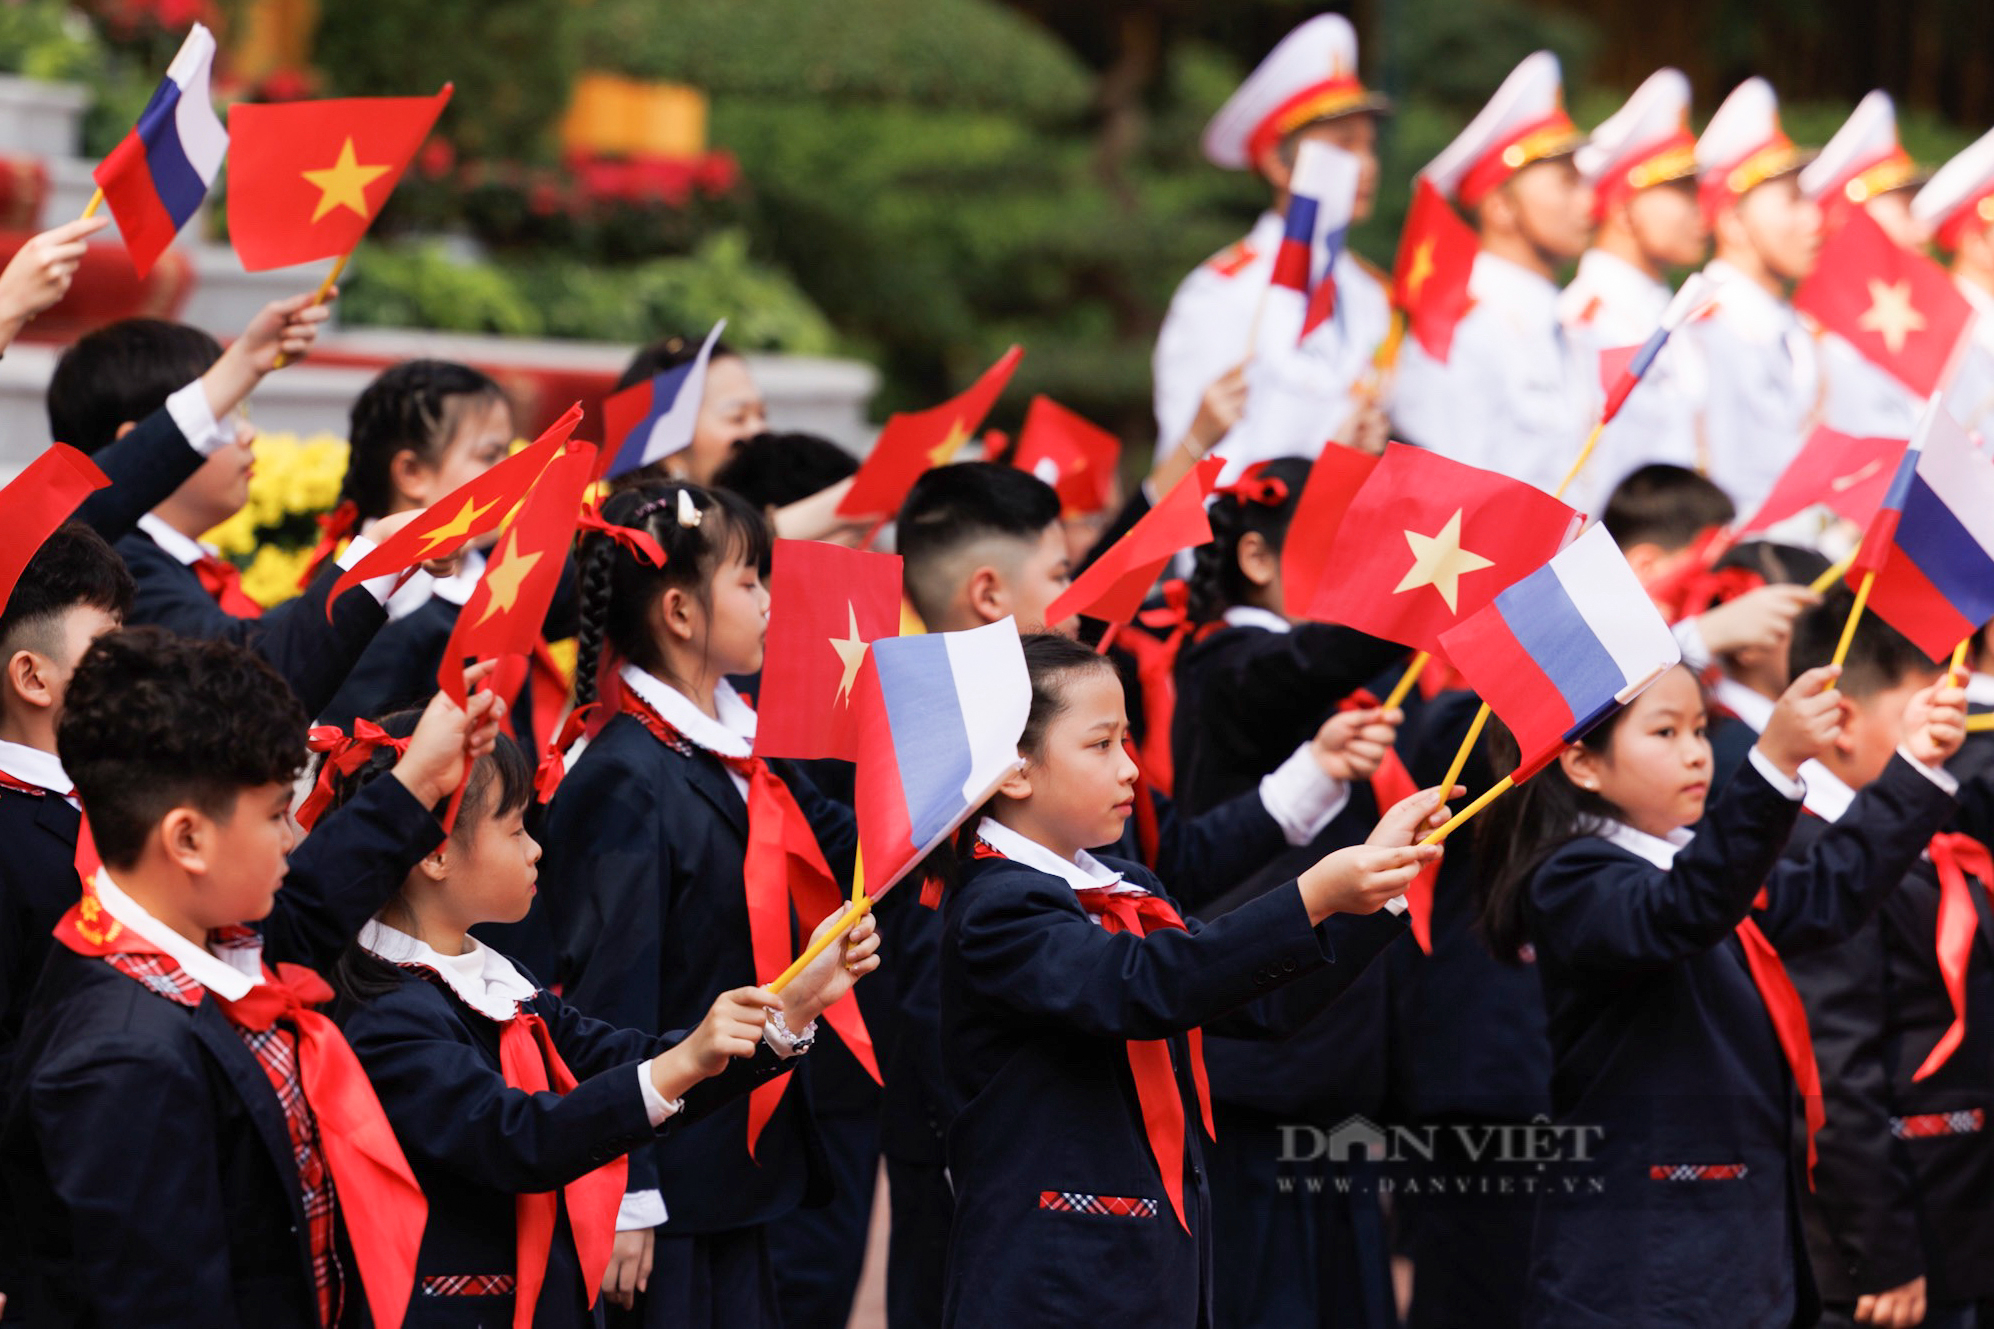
[1898, 1308]
[831, 975]
[1351, 744]
[1805, 722]
[284, 328]
[38, 275]
[446, 739]
[733, 1028]
[1362, 878]
[629, 1270]
[1224, 401]
[1762, 618]
[1935, 723]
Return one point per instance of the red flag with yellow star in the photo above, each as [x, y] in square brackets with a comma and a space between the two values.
[1429, 541]
[476, 507]
[508, 606]
[1430, 280]
[913, 441]
[307, 178]
[1895, 306]
[827, 604]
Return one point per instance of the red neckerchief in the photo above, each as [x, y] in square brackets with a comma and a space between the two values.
[1789, 1024]
[1953, 857]
[372, 1176]
[1156, 669]
[1392, 784]
[784, 867]
[1156, 1090]
[223, 583]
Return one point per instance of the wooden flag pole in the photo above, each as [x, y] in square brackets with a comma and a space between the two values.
[846, 922]
[1467, 746]
[1981, 723]
[90, 208]
[324, 291]
[1956, 671]
[1578, 462]
[1489, 796]
[1403, 688]
[1855, 617]
[1822, 583]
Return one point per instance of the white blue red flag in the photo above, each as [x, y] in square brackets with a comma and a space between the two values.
[940, 716]
[1692, 299]
[649, 421]
[1560, 650]
[1322, 199]
[156, 178]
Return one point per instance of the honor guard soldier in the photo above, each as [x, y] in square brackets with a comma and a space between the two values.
[1958, 208]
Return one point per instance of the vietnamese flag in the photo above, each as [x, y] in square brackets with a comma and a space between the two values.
[1071, 453]
[1429, 541]
[1848, 475]
[1898, 308]
[827, 605]
[38, 501]
[1332, 486]
[306, 179]
[1113, 588]
[913, 441]
[1430, 279]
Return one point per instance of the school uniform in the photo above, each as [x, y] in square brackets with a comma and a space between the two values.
[149, 463]
[644, 889]
[1613, 305]
[484, 1148]
[1738, 715]
[1906, 1168]
[161, 1163]
[1764, 384]
[1681, 1203]
[1973, 765]
[39, 819]
[1061, 1213]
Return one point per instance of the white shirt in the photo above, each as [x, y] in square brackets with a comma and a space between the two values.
[731, 735]
[1862, 399]
[1752, 708]
[1828, 797]
[41, 769]
[1517, 394]
[1764, 387]
[196, 421]
[1979, 691]
[1971, 396]
[229, 972]
[187, 551]
[1611, 304]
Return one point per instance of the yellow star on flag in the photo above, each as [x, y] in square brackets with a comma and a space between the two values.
[505, 575]
[344, 183]
[1439, 562]
[944, 452]
[1891, 315]
[851, 651]
[1422, 268]
[459, 525]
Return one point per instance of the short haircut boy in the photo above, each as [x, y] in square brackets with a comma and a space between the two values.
[1880, 657]
[73, 569]
[1665, 505]
[774, 470]
[952, 510]
[122, 373]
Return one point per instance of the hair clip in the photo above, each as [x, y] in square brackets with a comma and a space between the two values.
[689, 514]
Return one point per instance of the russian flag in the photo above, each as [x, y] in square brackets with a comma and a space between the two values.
[650, 421]
[156, 178]
[1322, 198]
[1560, 649]
[1931, 545]
[940, 716]
[1692, 299]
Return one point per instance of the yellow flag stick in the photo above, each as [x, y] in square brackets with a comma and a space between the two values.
[1403, 688]
[1957, 669]
[1467, 746]
[1981, 723]
[324, 291]
[1821, 584]
[90, 208]
[1493, 792]
[858, 873]
[846, 922]
[1855, 617]
[1578, 462]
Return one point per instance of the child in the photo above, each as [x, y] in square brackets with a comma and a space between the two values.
[980, 542]
[797, 480]
[1676, 1037]
[1072, 995]
[1754, 671]
[178, 1108]
[657, 893]
[462, 1048]
[731, 410]
[127, 372]
[1897, 1222]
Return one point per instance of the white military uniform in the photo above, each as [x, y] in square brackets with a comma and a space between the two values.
[1297, 398]
[1959, 196]
[1517, 393]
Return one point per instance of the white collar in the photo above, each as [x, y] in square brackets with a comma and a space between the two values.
[1253, 616]
[180, 547]
[456, 589]
[1980, 688]
[32, 766]
[1827, 796]
[1757, 313]
[1658, 850]
[228, 973]
[483, 979]
[1084, 873]
[1621, 280]
[731, 735]
[1497, 279]
[1741, 701]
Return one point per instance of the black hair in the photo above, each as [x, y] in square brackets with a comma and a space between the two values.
[73, 569]
[952, 507]
[669, 353]
[415, 406]
[1217, 583]
[1777, 563]
[618, 588]
[1664, 505]
[153, 721]
[120, 374]
[772, 470]
[1880, 657]
[499, 784]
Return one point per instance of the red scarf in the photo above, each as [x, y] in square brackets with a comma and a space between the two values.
[784, 867]
[223, 583]
[368, 1168]
[1789, 1023]
[530, 1062]
[1954, 856]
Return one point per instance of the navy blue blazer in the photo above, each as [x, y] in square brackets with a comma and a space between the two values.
[144, 468]
[148, 1168]
[37, 885]
[314, 656]
[1906, 1166]
[1038, 1003]
[1662, 1046]
[476, 1144]
[643, 891]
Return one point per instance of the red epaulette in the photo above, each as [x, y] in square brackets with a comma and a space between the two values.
[1233, 259]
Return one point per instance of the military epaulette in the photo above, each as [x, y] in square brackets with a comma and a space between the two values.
[1234, 259]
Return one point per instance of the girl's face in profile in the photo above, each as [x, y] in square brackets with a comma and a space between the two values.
[1656, 767]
